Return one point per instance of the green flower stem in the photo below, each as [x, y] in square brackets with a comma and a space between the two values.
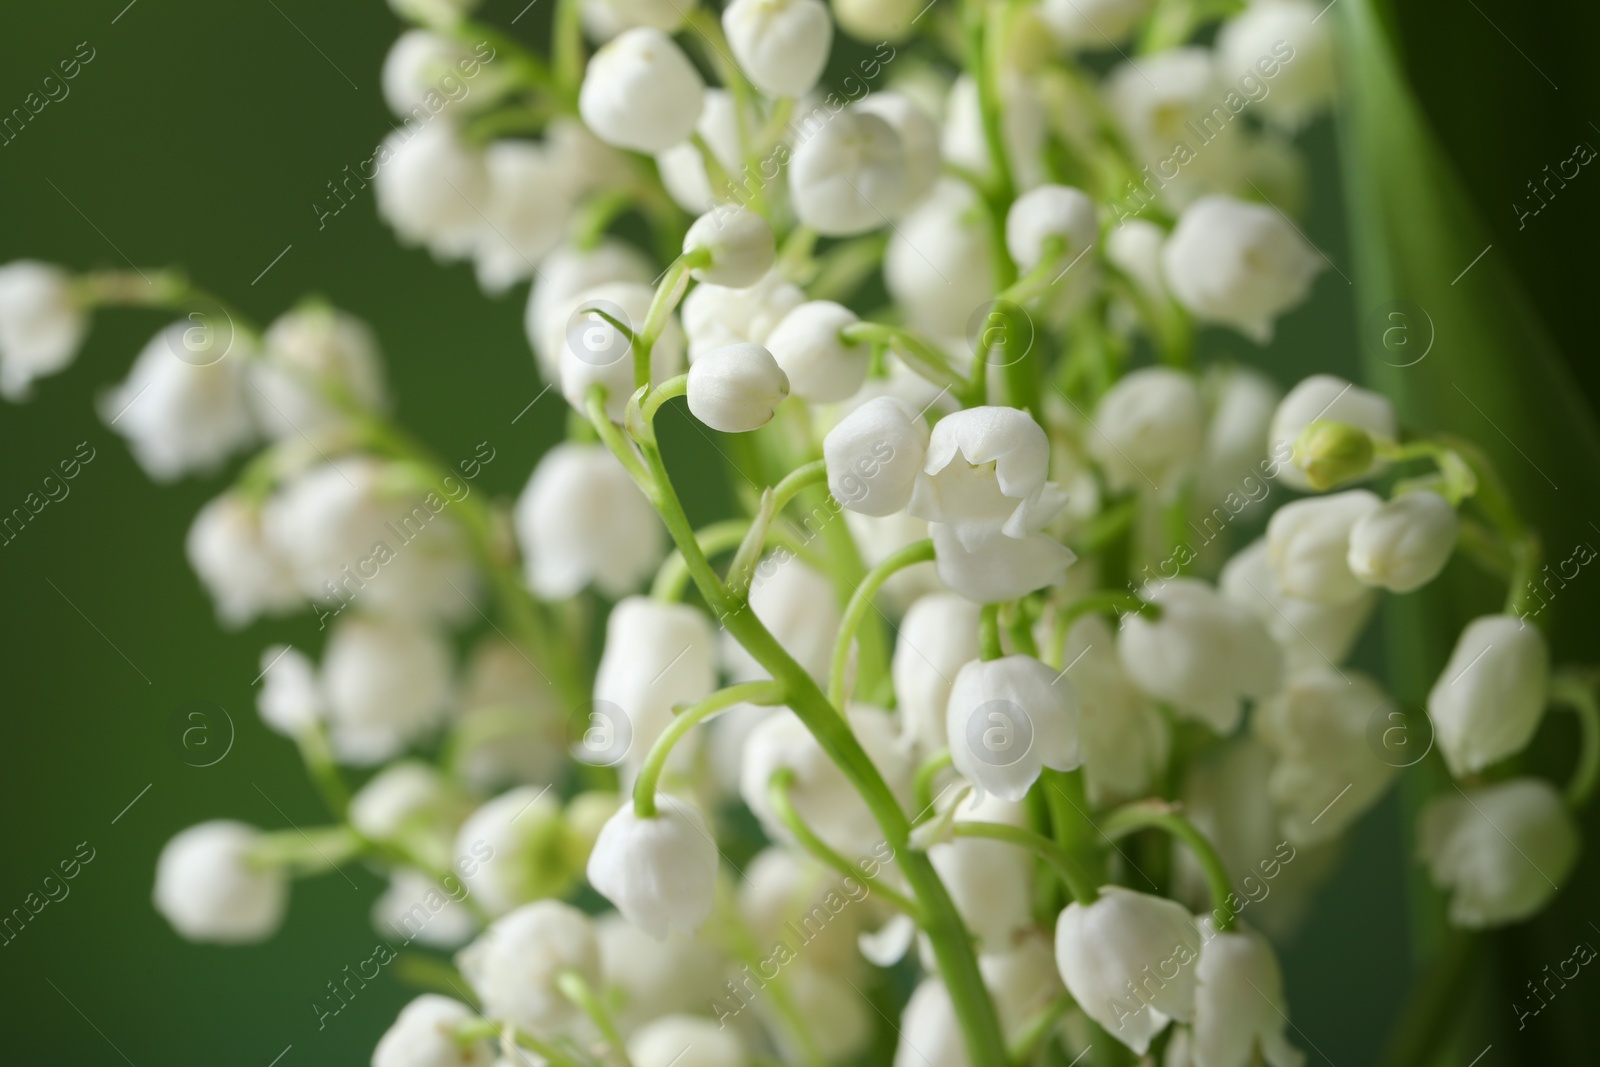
[922, 786]
[317, 754]
[1577, 694]
[574, 988]
[611, 437]
[952, 948]
[742, 571]
[783, 808]
[807, 474]
[306, 852]
[1019, 624]
[555, 1056]
[674, 283]
[989, 647]
[1434, 1003]
[1104, 602]
[861, 603]
[670, 389]
[672, 580]
[1158, 815]
[1044, 274]
[1036, 1029]
[916, 353]
[567, 50]
[596, 215]
[644, 787]
[1083, 888]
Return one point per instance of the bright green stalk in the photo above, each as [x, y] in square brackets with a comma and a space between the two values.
[1145, 815]
[644, 787]
[783, 807]
[1078, 882]
[861, 603]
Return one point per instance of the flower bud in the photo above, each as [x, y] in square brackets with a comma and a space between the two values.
[210, 889]
[41, 325]
[641, 92]
[781, 45]
[1007, 720]
[1405, 543]
[938, 636]
[1322, 397]
[820, 365]
[716, 315]
[1308, 542]
[998, 567]
[1093, 24]
[661, 871]
[417, 907]
[422, 68]
[874, 455]
[1285, 37]
[431, 187]
[407, 801]
[740, 243]
[1124, 738]
[517, 848]
[1333, 452]
[850, 176]
[918, 136]
[1203, 655]
[985, 474]
[388, 684]
[291, 700]
[1490, 697]
[244, 575]
[686, 1041]
[581, 519]
[1310, 634]
[424, 1035]
[938, 266]
[1050, 211]
[514, 965]
[1149, 429]
[1238, 264]
[1239, 1004]
[1128, 960]
[308, 351]
[736, 388]
[1500, 850]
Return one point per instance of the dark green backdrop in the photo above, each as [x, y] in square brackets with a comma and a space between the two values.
[200, 135]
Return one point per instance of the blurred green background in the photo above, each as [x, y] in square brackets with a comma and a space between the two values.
[200, 135]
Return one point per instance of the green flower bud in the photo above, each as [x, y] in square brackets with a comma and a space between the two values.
[1333, 452]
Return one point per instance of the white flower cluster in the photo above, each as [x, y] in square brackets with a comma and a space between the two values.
[979, 618]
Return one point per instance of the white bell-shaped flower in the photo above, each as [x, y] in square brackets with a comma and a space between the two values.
[291, 700]
[686, 1041]
[432, 187]
[530, 201]
[510, 850]
[42, 324]
[985, 474]
[595, 352]
[938, 636]
[1166, 104]
[1326, 776]
[717, 315]
[1129, 960]
[604, 19]
[1489, 699]
[308, 350]
[1285, 45]
[1007, 720]
[683, 167]
[998, 567]
[417, 907]
[1325, 398]
[1093, 25]
[876, 20]
[1123, 737]
[244, 574]
[1404, 544]
[657, 655]
[210, 888]
[387, 683]
[405, 799]
[989, 881]
[736, 388]
[183, 406]
[1204, 655]
[850, 176]
[1502, 851]
[514, 965]
[740, 243]
[581, 520]
[918, 136]
[939, 266]
[1239, 1007]
[1234, 466]
[355, 536]
[874, 456]
[781, 45]
[1238, 264]
[660, 872]
[1148, 430]
[424, 1034]
[1134, 247]
[1050, 211]
[641, 92]
[563, 276]
[838, 1019]
[821, 794]
[1310, 634]
[930, 1031]
[821, 366]
[782, 883]
[425, 68]
[799, 606]
[1308, 542]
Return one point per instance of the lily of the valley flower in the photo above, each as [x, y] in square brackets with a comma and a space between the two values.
[1008, 719]
[1404, 544]
[984, 474]
[424, 1035]
[659, 871]
[875, 455]
[1308, 542]
[515, 964]
[736, 388]
[1491, 695]
[641, 92]
[210, 889]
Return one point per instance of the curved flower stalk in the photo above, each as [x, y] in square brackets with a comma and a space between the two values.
[958, 653]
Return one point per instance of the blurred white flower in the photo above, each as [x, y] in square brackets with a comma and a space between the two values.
[1148, 430]
[850, 175]
[424, 1035]
[1308, 543]
[42, 324]
[387, 684]
[1280, 44]
[514, 965]
[307, 353]
[291, 699]
[243, 573]
[641, 92]
[1238, 264]
[781, 45]
[210, 888]
[1239, 1004]
[1488, 700]
[1008, 719]
[582, 520]
[661, 871]
[686, 1041]
[1310, 634]
[432, 187]
[938, 636]
[1404, 544]
[1122, 735]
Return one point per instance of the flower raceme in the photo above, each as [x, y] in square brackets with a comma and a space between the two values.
[934, 669]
